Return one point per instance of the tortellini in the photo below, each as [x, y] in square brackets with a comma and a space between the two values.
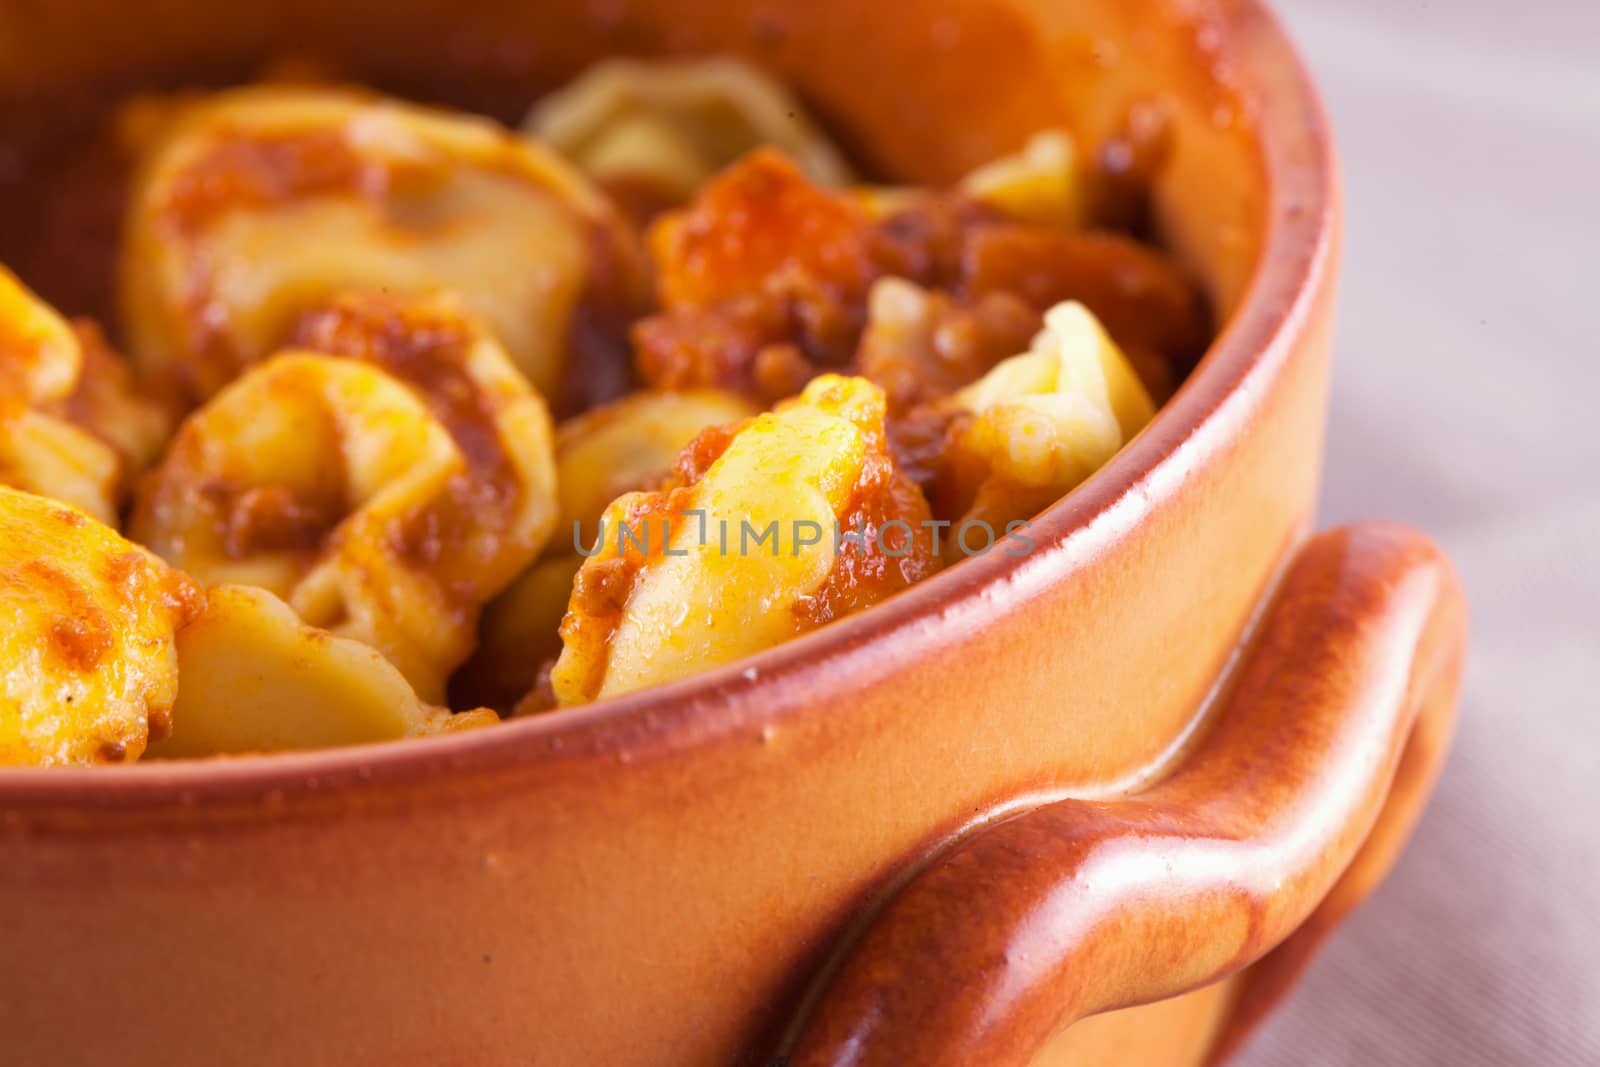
[87, 637]
[654, 131]
[257, 679]
[1042, 184]
[70, 426]
[624, 446]
[386, 479]
[258, 203]
[112, 655]
[1040, 423]
[770, 528]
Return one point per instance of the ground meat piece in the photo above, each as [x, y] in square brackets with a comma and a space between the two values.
[1142, 299]
[920, 345]
[759, 220]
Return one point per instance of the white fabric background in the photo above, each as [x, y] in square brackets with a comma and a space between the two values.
[1467, 402]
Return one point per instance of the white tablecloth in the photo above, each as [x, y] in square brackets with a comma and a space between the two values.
[1467, 402]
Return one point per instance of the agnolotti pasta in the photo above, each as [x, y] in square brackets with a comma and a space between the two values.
[740, 551]
[386, 479]
[257, 203]
[88, 623]
[652, 132]
[784, 396]
[70, 425]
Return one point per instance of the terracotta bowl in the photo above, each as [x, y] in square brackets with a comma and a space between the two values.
[1149, 764]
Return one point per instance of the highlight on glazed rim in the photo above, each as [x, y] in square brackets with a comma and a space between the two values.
[362, 419]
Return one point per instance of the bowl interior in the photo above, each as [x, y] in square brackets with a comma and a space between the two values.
[919, 90]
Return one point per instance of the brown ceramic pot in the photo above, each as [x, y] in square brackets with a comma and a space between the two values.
[1157, 758]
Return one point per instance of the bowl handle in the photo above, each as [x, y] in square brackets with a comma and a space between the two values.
[1281, 817]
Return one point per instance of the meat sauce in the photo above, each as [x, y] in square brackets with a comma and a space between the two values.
[764, 282]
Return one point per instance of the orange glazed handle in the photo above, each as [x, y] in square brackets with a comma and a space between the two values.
[1283, 815]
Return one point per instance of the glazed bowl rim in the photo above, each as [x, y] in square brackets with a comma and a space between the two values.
[1293, 139]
